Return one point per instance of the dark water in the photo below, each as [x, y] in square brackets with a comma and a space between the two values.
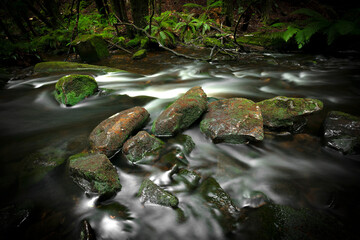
[294, 170]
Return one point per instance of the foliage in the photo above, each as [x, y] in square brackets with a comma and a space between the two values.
[163, 27]
[317, 23]
[186, 27]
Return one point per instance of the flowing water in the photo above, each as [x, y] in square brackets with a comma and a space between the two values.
[294, 170]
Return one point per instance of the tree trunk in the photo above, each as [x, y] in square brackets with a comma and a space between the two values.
[139, 9]
[101, 8]
[39, 15]
[158, 7]
[119, 9]
[229, 12]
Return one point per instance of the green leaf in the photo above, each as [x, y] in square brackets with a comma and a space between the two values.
[162, 35]
[193, 5]
[215, 4]
[310, 13]
[289, 33]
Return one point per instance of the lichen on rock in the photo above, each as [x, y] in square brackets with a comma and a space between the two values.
[150, 192]
[72, 89]
[235, 120]
[181, 114]
[283, 111]
[94, 173]
[109, 136]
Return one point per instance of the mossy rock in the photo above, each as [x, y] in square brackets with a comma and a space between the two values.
[285, 112]
[143, 148]
[72, 89]
[190, 178]
[135, 42]
[139, 54]
[150, 192]
[94, 173]
[211, 42]
[91, 48]
[57, 66]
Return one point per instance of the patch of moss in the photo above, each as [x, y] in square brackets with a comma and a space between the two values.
[150, 192]
[58, 66]
[91, 48]
[72, 89]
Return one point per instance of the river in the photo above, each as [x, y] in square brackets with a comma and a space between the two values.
[294, 170]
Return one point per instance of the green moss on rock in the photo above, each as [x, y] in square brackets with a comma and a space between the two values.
[283, 111]
[57, 66]
[72, 89]
[150, 192]
[94, 173]
[91, 48]
[139, 54]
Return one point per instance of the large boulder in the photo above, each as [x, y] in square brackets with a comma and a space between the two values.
[285, 112]
[235, 120]
[94, 173]
[342, 132]
[109, 136]
[143, 148]
[150, 192]
[60, 66]
[91, 48]
[72, 89]
[181, 114]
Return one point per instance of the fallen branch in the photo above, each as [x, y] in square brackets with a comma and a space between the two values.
[119, 47]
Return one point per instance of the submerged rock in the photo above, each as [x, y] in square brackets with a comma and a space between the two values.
[86, 232]
[94, 173]
[181, 114]
[150, 192]
[91, 48]
[143, 148]
[218, 199]
[273, 221]
[72, 89]
[190, 178]
[59, 66]
[342, 132]
[285, 112]
[235, 120]
[109, 136]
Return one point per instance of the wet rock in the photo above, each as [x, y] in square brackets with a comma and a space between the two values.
[143, 148]
[139, 54]
[150, 192]
[342, 132]
[218, 199]
[183, 143]
[94, 173]
[72, 89]
[273, 221]
[116, 211]
[57, 66]
[86, 232]
[285, 112]
[109, 136]
[190, 178]
[181, 114]
[235, 120]
[91, 48]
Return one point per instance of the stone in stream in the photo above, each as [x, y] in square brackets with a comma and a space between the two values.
[285, 112]
[218, 199]
[72, 89]
[60, 66]
[86, 232]
[143, 148]
[91, 48]
[150, 192]
[190, 178]
[94, 173]
[109, 136]
[181, 114]
[342, 132]
[235, 120]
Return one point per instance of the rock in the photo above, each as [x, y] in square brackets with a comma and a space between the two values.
[181, 114]
[218, 199]
[273, 221]
[143, 148]
[72, 89]
[94, 173]
[150, 192]
[234, 120]
[285, 112]
[183, 143]
[86, 232]
[91, 48]
[57, 66]
[190, 178]
[116, 210]
[109, 136]
[342, 132]
[139, 54]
